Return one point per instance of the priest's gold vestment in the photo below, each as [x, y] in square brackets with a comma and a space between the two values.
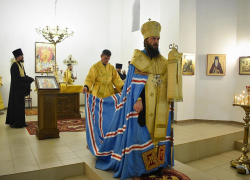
[158, 93]
[101, 78]
[67, 77]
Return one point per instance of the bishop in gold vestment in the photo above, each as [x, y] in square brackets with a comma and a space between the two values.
[137, 140]
[155, 98]
[102, 78]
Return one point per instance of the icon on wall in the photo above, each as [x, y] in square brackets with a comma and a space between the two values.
[216, 64]
[244, 65]
[45, 56]
[188, 64]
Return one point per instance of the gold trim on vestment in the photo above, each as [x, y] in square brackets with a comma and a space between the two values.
[21, 70]
[153, 159]
[142, 62]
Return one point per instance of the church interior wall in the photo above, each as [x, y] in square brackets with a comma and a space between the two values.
[187, 44]
[216, 23]
[200, 27]
[242, 49]
[90, 21]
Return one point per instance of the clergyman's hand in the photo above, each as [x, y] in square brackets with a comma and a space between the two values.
[138, 106]
[85, 89]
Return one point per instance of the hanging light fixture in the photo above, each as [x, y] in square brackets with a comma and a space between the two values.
[55, 34]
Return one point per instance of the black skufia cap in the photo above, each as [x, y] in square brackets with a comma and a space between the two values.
[118, 66]
[17, 52]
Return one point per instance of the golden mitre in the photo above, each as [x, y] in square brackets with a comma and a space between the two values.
[150, 28]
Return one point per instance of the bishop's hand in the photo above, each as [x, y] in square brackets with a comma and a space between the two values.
[138, 106]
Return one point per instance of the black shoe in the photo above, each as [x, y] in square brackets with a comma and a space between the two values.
[14, 126]
[26, 125]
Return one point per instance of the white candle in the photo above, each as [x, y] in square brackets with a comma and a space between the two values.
[238, 102]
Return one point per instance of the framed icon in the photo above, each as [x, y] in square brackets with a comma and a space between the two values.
[46, 82]
[45, 56]
[188, 64]
[216, 64]
[244, 65]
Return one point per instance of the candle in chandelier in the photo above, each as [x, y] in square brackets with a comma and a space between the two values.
[242, 99]
[239, 100]
[235, 99]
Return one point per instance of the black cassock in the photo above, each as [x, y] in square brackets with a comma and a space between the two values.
[122, 76]
[19, 88]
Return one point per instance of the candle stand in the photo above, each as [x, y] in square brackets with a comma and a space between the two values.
[243, 159]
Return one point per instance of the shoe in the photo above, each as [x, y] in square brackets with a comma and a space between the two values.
[14, 126]
[26, 125]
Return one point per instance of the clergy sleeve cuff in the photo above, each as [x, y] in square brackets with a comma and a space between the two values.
[139, 99]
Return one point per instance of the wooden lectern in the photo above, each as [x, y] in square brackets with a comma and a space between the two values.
[47, 90]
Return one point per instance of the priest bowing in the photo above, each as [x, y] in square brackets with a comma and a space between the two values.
[19, 88]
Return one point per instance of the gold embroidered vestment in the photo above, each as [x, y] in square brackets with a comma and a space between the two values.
[100, 80]
[156, 94]
[67, 77]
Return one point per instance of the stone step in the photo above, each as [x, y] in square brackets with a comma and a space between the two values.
[199, 149]
[239, 144]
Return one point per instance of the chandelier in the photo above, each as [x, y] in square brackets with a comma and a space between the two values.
[54, 35]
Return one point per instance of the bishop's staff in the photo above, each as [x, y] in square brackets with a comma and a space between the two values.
[174, 89]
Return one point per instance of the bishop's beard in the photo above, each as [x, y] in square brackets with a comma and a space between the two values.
[152, 52]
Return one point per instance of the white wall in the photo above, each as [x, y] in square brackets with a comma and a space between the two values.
[187, 44]
[201, 27]
[216, 34]
[90, 20]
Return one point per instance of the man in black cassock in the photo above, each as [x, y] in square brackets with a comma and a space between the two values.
[121, 73]
[19, 88]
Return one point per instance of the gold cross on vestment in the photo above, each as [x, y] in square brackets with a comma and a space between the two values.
[157, 80]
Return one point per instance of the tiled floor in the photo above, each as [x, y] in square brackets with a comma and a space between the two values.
[194, 131]
[219, 166]
[21, 152]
